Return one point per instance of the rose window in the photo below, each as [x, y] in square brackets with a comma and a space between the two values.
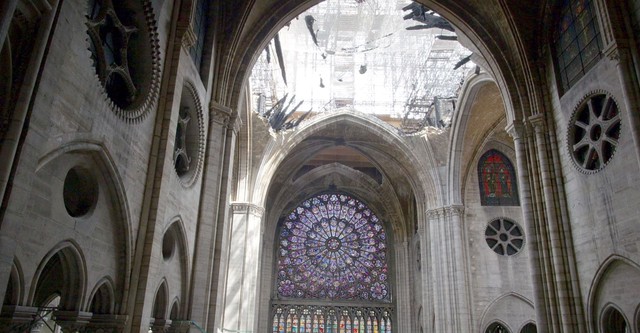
[333, 247]
[124, 53]
[594, 133]
[504, 237]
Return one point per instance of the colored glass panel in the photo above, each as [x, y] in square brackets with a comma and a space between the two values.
[576, 41]
[332, 247]
[498, 186]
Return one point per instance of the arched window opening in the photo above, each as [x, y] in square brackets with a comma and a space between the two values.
[497, 328]
[200, 29]
[529, 328]
[497, 178]
[332, 271]
[614, 322]
[576, 41]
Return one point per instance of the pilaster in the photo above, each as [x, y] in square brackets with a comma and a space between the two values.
[449, 276]
[204, 253]
[555, 237]
[242, 268]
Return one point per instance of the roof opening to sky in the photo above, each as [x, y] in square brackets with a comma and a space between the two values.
[394, 59]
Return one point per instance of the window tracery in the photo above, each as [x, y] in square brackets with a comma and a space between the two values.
[576, 41]
[332, 249]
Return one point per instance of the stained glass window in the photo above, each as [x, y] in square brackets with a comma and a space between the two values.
[332, 247]
[498, 186]
[200, 29]
[576, 42]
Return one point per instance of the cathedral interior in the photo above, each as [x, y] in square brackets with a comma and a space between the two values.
[320, 166]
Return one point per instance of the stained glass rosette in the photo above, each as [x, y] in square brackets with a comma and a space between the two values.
[333, 247]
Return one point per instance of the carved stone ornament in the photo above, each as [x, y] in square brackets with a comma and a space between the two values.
[125, 53]
[594, 132]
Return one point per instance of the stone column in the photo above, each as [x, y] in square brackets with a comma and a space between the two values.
[518, 134]
[451, 302]
[558, 241]
[426, 275]
[221, 241]
[7, 7]
[242, 253]
[403, 298]
[204, 252]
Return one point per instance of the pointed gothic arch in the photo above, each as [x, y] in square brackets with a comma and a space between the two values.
[61, 272]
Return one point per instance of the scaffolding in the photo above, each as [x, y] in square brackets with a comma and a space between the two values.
[360, 55]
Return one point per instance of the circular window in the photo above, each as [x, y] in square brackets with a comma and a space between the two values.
[168, 244]
[504, 237]
[594, 132]
[80, 191]
[187, 152]
[124, 53]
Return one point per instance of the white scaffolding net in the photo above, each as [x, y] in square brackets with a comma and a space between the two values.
[359, 54]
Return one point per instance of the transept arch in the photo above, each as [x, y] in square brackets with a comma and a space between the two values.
[404, 157]
[468, 94]
[497, 40]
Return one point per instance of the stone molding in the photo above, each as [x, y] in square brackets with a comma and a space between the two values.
[538, 122]
[106, 323]
[72, 321]
[219, 114]
[189, 38]
[516, 130]
[160, 325]
[235, 124]
[15, 316]
[180, 326]
[247, 208]
[441, 212]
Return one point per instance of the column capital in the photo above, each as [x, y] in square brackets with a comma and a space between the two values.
[435, 213]
[247, 208]
[235, 124]
[516, 129]
[455, 210]
[440, 212]
[538, 122]
[219, 114]
[189, 38]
